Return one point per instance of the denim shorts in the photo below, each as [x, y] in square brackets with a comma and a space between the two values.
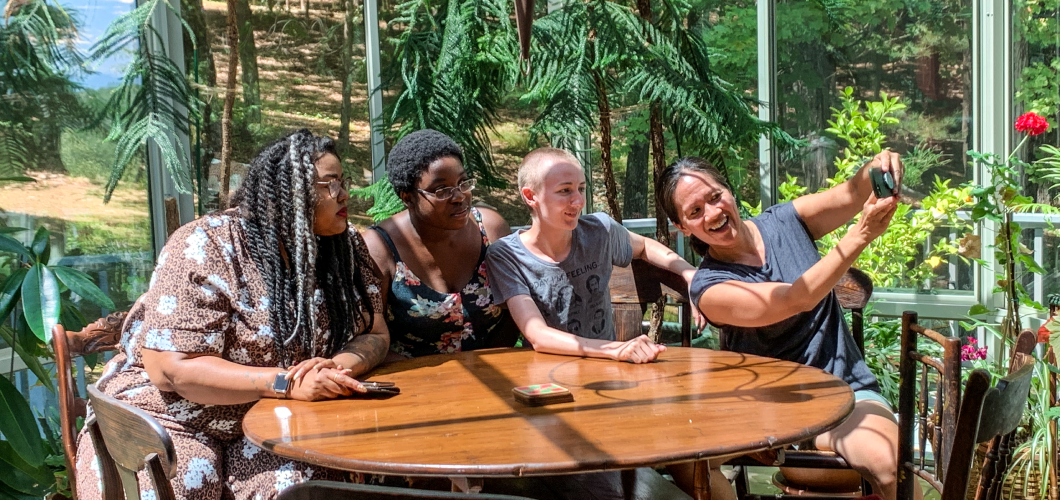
[875, 397]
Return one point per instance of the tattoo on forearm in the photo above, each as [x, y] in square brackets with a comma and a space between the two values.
[370, 348]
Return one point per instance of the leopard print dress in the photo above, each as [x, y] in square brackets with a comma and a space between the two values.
[207, 296]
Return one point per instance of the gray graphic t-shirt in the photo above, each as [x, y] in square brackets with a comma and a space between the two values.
[572, 295]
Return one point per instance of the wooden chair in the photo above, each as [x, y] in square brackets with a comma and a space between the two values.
[936, 416]
[999, 451]
[129, 440]
[330, 490]
[633, 288]
[102, 335]
[1005, 402]
[853, 292]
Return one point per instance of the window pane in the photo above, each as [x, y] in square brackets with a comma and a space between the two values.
[52, 123]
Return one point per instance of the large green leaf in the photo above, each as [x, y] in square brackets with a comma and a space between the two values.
[21, 476]
[42, 245]
[19, 426]
[81, 284]
[7, 493]
[9, 244]
[31, 361]
[11, 292]
[40, 301]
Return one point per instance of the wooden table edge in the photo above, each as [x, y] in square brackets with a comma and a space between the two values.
[525, 469]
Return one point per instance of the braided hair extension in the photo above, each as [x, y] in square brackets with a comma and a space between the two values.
[277, 201]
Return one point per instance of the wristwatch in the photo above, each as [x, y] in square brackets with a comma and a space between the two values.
[281, 386]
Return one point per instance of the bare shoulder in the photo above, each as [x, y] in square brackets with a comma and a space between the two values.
[496, 226]
[378, 249]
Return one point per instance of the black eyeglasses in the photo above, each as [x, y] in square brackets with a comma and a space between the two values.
[447, 193]
[335, 186]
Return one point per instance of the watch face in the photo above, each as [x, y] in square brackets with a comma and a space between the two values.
[281, 385]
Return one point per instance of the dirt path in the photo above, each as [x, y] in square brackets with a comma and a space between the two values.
[74, 199]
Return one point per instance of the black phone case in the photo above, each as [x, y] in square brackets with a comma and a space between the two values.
[882, 183]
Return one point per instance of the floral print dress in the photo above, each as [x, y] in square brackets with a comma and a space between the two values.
[207, 296]
[424, 321]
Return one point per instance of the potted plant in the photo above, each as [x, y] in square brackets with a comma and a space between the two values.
[31, 454]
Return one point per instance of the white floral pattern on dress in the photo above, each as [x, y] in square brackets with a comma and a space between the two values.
[184, 410]
[160, 340]
[200, 472]
[167, 304]
[196, 249]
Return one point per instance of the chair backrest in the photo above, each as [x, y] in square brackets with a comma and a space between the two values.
[919, 372]
[133, 440]
[1005, 401]
[102, 335]
[999, 452]
[640, 284]
[330, 490]
[854, 291]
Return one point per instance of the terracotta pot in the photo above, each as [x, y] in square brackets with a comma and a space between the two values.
[821, 480]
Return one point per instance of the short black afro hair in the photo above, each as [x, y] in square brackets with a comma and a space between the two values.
[411, 156]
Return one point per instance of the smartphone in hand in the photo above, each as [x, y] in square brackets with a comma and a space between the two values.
[882, 183]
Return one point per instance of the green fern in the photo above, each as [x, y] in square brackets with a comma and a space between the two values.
[38, 63]
[151, 101]
[454, 62]
[386, 202]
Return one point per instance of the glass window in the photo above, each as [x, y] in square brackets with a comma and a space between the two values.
[53, 140]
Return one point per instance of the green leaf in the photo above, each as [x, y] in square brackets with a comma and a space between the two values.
[11, 230]
[21, 476]
[11, 292]
[18, 424]
[31, 361]
[40, 301]
[6, 493]
[9, 244]
[81, 284]
[978, 309]
[41, 245]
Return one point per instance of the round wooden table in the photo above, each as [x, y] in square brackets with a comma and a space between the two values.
[456, 415]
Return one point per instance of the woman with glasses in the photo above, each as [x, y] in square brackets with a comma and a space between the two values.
[432, 255]
[273, 298]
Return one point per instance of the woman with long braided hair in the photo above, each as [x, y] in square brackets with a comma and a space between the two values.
[275, 297]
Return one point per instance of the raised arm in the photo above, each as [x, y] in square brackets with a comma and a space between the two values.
[550, 340]
[824, 212]
[759, 304]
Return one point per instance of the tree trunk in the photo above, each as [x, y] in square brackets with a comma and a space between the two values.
[305, 8]
[635, 185]
[230, 100]
[47, 156]
[605, 147]
[347, 67]
[193, 13]
[248, 60]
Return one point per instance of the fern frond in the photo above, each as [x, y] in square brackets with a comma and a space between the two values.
[153, 100]
[386, 201]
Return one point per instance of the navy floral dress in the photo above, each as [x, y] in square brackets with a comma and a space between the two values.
[424, 321]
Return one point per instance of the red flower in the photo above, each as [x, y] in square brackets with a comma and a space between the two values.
[1043, 334]
[1032, 124]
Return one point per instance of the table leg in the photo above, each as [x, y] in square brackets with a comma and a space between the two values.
[701, 476]
[629, 484]
[466, 484]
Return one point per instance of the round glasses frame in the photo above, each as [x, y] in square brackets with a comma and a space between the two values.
[447, 193]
